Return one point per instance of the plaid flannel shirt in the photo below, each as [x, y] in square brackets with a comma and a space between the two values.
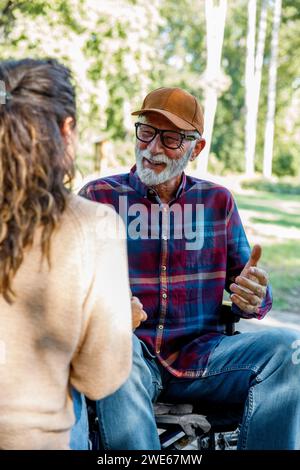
[180, 281]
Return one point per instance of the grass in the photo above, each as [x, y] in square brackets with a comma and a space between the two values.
[283, 264]
[274, 221]
[291, 185]
[261, 196]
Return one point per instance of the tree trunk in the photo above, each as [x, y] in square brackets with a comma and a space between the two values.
[249, 88]
[269, 130]
[215, 25]
[253, 74]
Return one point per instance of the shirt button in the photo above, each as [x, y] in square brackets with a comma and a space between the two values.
[164, 295]
[164, 268]
[160, 327]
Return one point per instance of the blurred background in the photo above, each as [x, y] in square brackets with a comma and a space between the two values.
[240, 58]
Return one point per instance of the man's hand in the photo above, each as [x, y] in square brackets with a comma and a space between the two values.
[250, 287]
[138, 314]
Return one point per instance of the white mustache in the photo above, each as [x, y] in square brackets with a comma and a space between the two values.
[173, 167]
[160, 158]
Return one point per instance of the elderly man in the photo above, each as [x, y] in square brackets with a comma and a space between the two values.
[186, 244]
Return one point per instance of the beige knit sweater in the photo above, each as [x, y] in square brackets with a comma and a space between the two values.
[69, 325]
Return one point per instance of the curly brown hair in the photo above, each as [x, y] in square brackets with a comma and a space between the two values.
[34, 161]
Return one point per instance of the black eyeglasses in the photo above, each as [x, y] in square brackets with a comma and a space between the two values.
[170, 139]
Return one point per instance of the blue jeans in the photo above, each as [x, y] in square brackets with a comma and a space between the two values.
[80, 431]
[138, 392]
[126, 418]
[252, 368]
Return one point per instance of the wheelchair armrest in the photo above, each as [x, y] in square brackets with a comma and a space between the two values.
[228, 318]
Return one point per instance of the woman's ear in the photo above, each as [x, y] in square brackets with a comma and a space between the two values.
[69, 135]
[67, 128]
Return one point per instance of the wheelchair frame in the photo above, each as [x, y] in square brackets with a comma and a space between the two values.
[186, 427]
[201, 429]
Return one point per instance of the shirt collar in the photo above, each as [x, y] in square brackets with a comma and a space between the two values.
[147, 191]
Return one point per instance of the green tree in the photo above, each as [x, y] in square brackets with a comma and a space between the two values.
[110, 51]
[119, 50]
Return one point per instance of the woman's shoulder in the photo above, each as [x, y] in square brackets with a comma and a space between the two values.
[89, 214]
[85, 208]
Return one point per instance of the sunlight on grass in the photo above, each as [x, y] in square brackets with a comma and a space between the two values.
[282, 261]
[282, 221]
[273, 220]
[284, 255]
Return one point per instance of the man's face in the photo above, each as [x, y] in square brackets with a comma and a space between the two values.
[156, 163]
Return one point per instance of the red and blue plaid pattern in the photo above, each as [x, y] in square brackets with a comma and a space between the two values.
[181, 289]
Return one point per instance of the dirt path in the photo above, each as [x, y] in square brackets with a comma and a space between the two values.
[273, 319]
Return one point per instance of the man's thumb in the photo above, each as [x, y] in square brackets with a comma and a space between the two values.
[255, 256]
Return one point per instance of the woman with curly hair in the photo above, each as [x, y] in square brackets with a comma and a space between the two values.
[61, 323]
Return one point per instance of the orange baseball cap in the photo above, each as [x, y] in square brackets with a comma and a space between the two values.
[177, 105]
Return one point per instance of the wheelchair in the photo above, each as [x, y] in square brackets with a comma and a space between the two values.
[205, 426]
[188, 426]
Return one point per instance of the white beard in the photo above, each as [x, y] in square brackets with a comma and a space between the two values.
[173, 167]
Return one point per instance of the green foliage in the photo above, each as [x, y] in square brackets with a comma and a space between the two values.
[182, 44]
[286, 159]
[109, 45]
[278, 187]
[274, 217]
[281, 260]
[228, 136]
[286, 163]
[119, 50]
